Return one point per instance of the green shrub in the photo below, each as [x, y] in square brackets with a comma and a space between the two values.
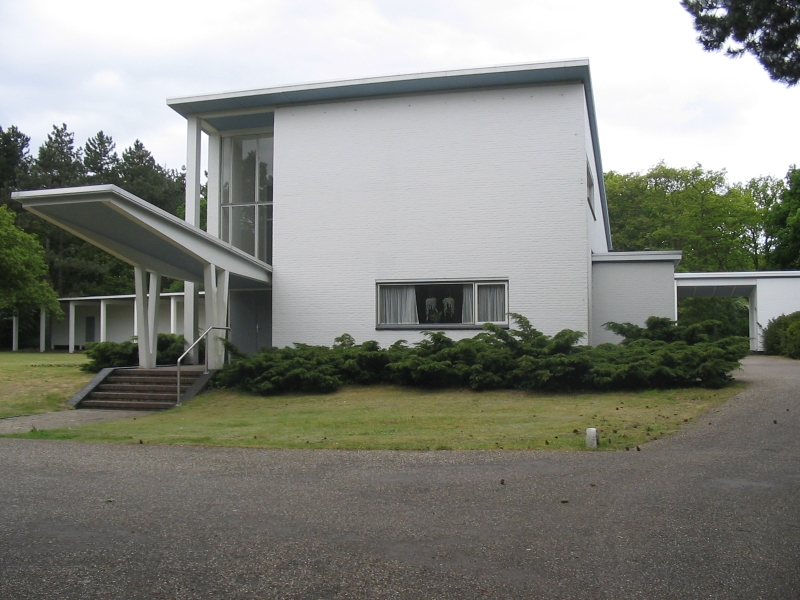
[659, 355]
[776, 335]
[103, 355]
[792, 342]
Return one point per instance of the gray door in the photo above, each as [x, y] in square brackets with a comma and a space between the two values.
[89, 329]
[251, 320]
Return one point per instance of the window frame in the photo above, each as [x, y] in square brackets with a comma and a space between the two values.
[475, 325]
[259, 207]
[590, 189]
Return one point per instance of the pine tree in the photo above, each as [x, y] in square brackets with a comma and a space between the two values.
[142, 176]
[100, 160]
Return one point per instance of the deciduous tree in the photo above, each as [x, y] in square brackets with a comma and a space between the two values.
[783, 224]
[23, 272]
[693, 210]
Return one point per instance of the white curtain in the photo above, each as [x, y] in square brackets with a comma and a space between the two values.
[398, 305]
[467, 311]
[491, 303]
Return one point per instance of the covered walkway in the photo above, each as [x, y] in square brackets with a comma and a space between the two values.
[770, 294]
[157, 244]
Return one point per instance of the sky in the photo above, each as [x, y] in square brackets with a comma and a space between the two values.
[110, 65]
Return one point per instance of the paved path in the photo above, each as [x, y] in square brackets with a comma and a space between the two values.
[711, 512]
[65, 418]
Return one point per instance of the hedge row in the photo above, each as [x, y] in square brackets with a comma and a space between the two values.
[660, 355]
[782, 336]
[126, 354]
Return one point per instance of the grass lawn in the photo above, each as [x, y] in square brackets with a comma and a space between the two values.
[409, 419]
[33, 382]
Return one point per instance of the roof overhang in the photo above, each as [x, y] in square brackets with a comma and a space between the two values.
[673, 256]
[725, 285]
[144, 235]
[254, 109]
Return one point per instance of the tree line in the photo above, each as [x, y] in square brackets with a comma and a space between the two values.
[75, 267]
[719, 225]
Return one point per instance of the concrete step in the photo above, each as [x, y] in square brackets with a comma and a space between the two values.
[123, 379]
[127, 405]
[134, 396]
[139, 387]
[146, 389]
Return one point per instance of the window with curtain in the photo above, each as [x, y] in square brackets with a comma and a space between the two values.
[432, 305]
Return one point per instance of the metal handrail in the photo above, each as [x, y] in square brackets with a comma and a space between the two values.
[189, 349]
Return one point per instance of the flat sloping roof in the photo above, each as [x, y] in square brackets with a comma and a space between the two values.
[141, 234]
[414, 83]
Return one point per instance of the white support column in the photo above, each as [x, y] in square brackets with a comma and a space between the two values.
[71, 327]
[146, 360]
[210, 281]
[173, 314]
[153, 305]
[104, 320]
[42, 330]
[213, 187]
[15, 332]
[190, 318]
[212, 316]
[223, 278]
[135, 321]
[755, 333]
[193, 135]
[193, 170]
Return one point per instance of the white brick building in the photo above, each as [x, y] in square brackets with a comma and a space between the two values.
[383, 208]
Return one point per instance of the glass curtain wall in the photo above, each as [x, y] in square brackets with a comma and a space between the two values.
[246, 194]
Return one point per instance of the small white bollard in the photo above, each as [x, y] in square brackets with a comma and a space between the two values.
[592, 441]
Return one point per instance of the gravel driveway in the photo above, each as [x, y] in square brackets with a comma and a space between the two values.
[711, 512]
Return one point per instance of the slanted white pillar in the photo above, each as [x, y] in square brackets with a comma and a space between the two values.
[153, 305]
[210, 281]
[71, 327]
[42, 330]
[103, 320]
[15, 332]
[216, 288]
[190, 319]
[173, 314]
[147, 358]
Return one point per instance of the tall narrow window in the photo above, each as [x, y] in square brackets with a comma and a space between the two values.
[246, 194]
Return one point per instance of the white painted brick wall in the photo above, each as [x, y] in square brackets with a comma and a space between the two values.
[630, 292]
[486, 183]
[777, 296]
